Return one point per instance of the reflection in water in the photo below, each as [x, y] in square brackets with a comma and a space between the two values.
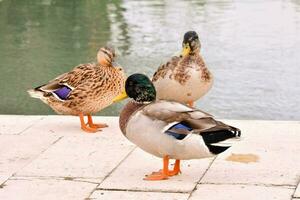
[250, 46]
[118, 30]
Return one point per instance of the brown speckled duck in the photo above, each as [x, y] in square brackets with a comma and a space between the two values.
[171, 130]
[185, 78]
[85, 90]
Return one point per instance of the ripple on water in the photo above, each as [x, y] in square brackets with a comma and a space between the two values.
[251, 47]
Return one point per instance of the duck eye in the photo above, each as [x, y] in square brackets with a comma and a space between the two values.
[106, 53]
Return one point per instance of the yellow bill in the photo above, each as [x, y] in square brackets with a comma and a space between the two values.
[120, 97]
[186, 49]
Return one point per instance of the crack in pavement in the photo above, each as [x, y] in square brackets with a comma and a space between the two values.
[251, 184]
[57, 178]
[30, 161]
[108, 174]
[195, 187]
[141, 190]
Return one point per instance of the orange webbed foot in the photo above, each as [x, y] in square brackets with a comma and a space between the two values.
[89, 129]
[92, 125]
[156, 176]
[164, 173]
[98, 125]
[174, 172]
[169, 173]
[84, 126]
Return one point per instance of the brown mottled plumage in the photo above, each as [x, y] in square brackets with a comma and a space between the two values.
[92, 86]
[186, 78]
[94, 89]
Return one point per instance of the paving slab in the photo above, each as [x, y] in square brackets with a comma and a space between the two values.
[90, 156]
[116, 195]
[129, 175]
[16, 124]
[276, 145]
[69, 125]
[238, 192]
[17, 151]
[47, 189]
[297, 192]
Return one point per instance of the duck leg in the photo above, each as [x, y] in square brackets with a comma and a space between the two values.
[84, 126]
[92, 125]
[162, 174]
[176, 170]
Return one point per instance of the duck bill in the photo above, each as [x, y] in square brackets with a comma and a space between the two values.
[120, 97]
[186, 49]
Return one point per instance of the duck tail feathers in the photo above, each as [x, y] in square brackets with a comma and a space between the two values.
[219, 140]
[38, 93]
[34, 93]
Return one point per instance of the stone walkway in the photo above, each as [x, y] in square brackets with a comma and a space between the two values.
[49, 157]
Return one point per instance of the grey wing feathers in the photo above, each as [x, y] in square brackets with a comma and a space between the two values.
[199, 121]
[172, 111]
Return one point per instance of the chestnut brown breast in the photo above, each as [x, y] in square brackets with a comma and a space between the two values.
[126, 113]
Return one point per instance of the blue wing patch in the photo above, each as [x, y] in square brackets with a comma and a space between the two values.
[63, 92]
[178, 127]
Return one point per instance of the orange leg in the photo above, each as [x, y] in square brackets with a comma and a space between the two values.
[176, 170]
[190, 103]
[92, 125]
[162, 175]
[84, 126]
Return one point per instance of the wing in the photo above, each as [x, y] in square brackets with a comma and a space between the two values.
[177, 115]
[62, 86]
[164, 68]
[170, 111]
[182, 120]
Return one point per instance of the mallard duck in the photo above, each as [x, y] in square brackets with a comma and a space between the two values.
[85, 90]
[170, 130]
[184, 78]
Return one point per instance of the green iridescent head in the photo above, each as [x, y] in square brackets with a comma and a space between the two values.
[140, 88]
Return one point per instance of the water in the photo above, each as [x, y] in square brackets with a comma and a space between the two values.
[251, 47]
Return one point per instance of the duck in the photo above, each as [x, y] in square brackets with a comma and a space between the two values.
[169, 129]
[184, 78]
[85, 90]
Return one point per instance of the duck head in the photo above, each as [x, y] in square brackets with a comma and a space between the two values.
[138, 87]
[190, 44]
[106, 56]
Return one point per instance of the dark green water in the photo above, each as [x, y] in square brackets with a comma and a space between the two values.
[252, 48]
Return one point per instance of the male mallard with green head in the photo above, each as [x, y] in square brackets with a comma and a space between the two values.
[186, 78]
[85, 90]
[170, 130]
